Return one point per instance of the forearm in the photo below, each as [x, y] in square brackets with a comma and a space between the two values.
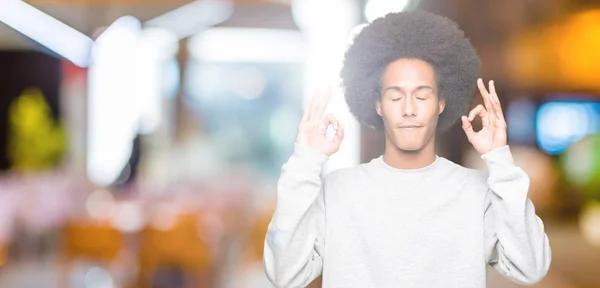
[291, 255]
[522, 247]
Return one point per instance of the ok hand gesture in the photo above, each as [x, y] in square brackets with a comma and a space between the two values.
[493, 133]
[312, 128]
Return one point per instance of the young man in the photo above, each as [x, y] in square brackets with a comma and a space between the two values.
[407, 218]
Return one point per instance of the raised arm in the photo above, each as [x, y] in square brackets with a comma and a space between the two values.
[516, 243]
[293, 254]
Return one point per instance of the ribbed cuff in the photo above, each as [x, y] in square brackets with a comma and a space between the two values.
[307, 159]
[308, 153]
[498, 160]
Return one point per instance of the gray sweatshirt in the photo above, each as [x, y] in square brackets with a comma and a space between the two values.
[374, 225]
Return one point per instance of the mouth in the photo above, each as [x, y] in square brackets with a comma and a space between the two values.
[410, 127]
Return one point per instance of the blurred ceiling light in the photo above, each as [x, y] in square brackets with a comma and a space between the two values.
[159, 43]
[328, 25]
[113, 117]
[305, 12]
[124, 30]
[317, 15]
[379, 8]
[46, 30]
[155, 47]
[124, 93]
[249, 45]
[559, 124]
[196, 16]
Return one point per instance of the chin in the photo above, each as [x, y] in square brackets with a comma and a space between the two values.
[409, 147]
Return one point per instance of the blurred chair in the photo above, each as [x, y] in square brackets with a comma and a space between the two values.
[96, 241]
[258, 234]
[178, 247]
[3, 254]
[256, 243]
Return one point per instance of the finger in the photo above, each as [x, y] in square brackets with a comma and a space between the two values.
[496, 103]
[467, 127]
[493, 114]
[339, 134]
[482, 113]
[478, 110]
[307, 108]
[324, 100]
[314, 106]
[481, 86]
[484, 94]
[329, 119]
[499, 114]
[492, 87]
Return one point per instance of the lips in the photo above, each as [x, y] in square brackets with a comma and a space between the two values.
[410, 126]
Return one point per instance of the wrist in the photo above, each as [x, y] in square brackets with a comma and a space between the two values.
[498, 159]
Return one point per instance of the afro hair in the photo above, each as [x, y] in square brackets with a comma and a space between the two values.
[410, 35]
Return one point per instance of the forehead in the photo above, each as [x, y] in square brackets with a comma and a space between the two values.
[409, 72]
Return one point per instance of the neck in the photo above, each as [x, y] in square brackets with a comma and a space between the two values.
[401, 159]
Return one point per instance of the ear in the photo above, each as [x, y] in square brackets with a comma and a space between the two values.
[378, 107]
[442, 105]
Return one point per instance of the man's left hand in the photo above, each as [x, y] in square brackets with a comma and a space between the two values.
[493, 133]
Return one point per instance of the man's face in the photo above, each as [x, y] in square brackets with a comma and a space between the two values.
[409, 104]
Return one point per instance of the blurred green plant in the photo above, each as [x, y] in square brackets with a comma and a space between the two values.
[581, 166]
[35, 140]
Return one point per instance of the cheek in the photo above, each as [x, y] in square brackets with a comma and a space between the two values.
[391, 115]
[385, 110]
[432, 110]
[392, 108]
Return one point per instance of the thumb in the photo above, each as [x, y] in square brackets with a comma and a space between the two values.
[467, 127]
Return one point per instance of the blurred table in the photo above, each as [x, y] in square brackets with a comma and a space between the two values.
[575, 264]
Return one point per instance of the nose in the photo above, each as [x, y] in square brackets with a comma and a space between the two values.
[409, 107]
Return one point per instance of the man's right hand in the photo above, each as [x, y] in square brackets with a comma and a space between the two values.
[313, 126]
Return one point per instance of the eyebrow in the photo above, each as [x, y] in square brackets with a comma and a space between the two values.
[398, 88]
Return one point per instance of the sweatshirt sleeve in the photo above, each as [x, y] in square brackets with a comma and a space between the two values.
[516, 243]
[293, 252]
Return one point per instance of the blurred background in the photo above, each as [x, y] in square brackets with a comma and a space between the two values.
[141, 140]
